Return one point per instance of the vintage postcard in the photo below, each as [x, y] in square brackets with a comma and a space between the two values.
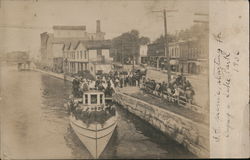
[124, 79]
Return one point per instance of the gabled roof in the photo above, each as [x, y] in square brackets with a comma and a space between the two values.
[63, 47]
[75, 44]
[69, 46]
[93, 44]
[66, 45]
[79, 42]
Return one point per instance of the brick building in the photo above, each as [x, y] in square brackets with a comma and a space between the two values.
[185, 56]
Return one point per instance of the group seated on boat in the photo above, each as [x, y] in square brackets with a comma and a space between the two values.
[81, 85]
[90, 115]
[93, 105]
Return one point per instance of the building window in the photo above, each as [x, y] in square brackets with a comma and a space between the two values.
[81, 54]
[85, 55]
[196, 52]
[86, 99]
[77, 54]
[93, 99]
[191, 52]
[101, 98]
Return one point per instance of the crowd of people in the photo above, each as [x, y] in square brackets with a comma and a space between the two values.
[179, 88]
[80, 85]
[106, 82]
[91, 114]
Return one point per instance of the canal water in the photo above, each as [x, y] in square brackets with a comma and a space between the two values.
[35, 124]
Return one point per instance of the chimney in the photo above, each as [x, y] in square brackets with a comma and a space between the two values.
[98, 26]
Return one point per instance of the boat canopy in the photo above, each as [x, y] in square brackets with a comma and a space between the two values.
[93, 97]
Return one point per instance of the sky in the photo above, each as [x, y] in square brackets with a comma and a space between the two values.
[22, 21]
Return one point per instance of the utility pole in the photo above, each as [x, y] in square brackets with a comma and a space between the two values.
[65, 65]
[122, 53]
[205, 22]
[166, 41]
[166, 46]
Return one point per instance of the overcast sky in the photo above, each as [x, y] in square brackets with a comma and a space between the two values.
[117, 16]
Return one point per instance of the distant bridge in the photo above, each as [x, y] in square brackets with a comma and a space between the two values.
[24, 65]
[21, 58]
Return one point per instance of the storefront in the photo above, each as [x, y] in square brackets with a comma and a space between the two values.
[194, 67]
[174, 65]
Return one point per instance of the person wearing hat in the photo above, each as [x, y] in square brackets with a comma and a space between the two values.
[189, 94]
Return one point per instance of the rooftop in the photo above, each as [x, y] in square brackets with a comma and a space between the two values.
[69, 27]
[98, 44]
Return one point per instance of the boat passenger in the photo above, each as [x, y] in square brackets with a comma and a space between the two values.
[112, 110]
[85, 114]
[85, 87]
[77, 113]
[104, 84]
[109, 91]
[100, 87]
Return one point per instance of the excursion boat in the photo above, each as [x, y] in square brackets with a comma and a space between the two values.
[99, 120]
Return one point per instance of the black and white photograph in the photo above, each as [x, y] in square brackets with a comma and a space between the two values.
[106, 79]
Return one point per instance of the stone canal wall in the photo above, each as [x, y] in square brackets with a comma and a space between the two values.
[192, 135]
[56, 75]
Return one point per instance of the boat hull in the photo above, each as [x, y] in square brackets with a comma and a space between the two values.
[95, 137]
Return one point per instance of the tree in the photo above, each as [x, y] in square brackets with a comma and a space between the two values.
[161, 39]
[144, 40]
[197, 31]
[126, 46]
